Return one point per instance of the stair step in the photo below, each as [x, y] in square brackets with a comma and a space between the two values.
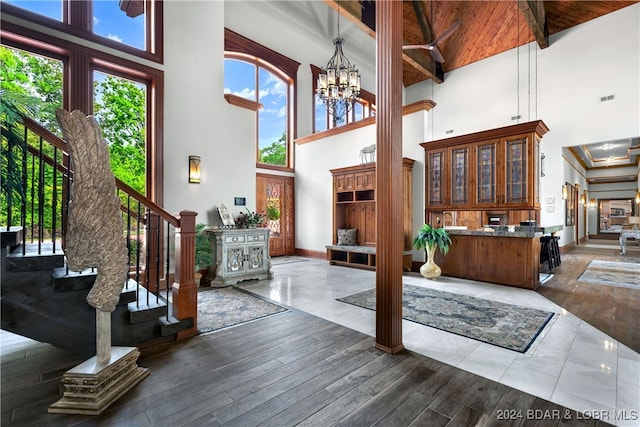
[73, 280]
[143, 311]
[171, 325]
[13, 236]
[32, 260]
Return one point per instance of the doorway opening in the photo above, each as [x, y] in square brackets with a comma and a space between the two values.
[613, 214]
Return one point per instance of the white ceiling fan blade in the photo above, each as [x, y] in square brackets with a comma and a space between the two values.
[435, 53]
[442, 37]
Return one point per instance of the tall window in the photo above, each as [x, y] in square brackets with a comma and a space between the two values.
[362, 108]
[126, 25]
[261, 75]
[263, 84]
[125, 96]
[119, 106]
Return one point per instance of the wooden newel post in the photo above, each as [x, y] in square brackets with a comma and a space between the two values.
[184, 288]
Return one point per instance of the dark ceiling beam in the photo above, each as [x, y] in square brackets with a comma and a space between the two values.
[421, 63]
[536, 18]
[421, 16]
[352, 10]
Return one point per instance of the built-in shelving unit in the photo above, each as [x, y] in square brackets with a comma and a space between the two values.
[354, 206]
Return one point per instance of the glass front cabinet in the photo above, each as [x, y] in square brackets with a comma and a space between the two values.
[498, 168]
[448, 177]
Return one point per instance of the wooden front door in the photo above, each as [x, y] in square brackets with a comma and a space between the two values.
[275, 196]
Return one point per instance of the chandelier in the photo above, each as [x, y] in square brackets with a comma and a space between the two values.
[339, 83]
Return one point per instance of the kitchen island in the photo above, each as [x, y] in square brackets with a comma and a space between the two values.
[496, 256]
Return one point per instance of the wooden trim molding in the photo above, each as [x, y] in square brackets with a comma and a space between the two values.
[537, 126]
[239, 101]
[425, 105]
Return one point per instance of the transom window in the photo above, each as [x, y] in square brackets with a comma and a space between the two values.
[121, 24]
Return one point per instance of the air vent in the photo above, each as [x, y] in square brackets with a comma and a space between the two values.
[449, 131]
[516, 117]
[607, 98]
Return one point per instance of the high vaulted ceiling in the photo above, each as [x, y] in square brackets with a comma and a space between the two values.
[487, 28]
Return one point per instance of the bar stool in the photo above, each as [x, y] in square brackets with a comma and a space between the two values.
[555, 250]
[546, 251]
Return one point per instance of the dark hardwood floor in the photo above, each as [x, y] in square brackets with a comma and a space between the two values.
[289, 369]
[613, 310]
[297, 369]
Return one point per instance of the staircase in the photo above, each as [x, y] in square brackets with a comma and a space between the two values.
[43, 300]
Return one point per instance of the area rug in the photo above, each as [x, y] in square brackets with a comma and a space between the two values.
[503, 325]
[223, 307]
[612, 273]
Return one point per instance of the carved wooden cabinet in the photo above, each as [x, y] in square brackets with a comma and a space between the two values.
[498, 168]
[239, 254]
[448, 178]
[354, 206]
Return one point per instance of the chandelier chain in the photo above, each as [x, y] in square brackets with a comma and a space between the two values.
[339, 82]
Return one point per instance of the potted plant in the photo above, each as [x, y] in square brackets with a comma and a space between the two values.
[203, 249]
[250, 219]
[431, 238]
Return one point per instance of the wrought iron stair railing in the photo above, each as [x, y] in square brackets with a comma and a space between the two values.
[161, 245]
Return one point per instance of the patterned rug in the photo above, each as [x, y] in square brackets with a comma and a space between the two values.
[223, 307]
[504, 325]
[612, 273]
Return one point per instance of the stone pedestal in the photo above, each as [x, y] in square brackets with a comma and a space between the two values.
[92, 386]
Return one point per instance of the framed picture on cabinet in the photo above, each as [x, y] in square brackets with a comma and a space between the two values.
[225, 216]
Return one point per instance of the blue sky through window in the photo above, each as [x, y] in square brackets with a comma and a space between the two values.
[108, 20]
[240, 79]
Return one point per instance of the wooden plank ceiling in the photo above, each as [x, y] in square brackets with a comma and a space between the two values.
[487, 28]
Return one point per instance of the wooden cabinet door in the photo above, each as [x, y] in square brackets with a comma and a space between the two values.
[517, 174]
[459, 177]
[486, 171]
[345, 182]
[437, 177]
[365, 180]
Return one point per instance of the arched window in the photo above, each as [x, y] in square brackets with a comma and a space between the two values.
[256, 73]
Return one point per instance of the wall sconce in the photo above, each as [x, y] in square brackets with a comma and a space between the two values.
[592, 203]
[638, 197]
[565, 192]
[583, 199]
[194, 169]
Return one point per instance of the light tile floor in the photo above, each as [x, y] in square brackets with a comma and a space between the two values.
[571, 363]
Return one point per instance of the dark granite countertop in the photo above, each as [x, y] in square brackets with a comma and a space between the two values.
[503, 231]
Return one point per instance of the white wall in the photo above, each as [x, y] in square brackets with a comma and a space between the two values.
[198, 120]
[560, 85]
[314, 185]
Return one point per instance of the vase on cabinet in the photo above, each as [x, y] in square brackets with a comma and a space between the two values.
[430, 269]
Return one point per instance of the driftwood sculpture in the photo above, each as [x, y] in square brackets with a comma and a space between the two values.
[95, 225]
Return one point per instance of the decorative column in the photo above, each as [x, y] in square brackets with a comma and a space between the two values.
[389, 197]
[185, 288]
